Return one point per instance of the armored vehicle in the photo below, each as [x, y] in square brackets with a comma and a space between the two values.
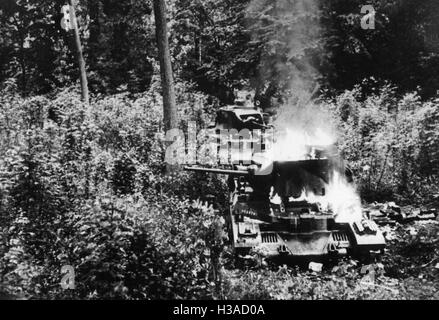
[275, 207]
[294, 225]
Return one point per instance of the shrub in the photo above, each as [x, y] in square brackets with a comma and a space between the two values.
[82, 185]
[391, 143]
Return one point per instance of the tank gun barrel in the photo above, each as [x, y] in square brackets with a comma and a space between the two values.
[219, 171]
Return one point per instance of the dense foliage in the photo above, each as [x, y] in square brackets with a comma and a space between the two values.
[391, 143]
[82, 186]
[85, 185]
[220, 44]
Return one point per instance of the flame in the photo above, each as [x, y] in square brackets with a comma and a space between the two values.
[290, 146]
[344, 199]
[294, 144]
[341, 197]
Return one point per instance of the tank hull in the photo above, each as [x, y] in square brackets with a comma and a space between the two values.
[300, 235]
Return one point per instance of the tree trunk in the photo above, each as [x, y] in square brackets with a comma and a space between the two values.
[23, 67]
[80, 57]
[169, 106]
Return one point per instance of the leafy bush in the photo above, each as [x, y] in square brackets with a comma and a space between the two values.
[143, 248]
[83, 186]
[391, 143]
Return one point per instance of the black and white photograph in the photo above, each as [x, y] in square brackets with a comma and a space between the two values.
[234, 151]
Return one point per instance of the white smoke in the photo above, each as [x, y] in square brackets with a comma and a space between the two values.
[300, 121]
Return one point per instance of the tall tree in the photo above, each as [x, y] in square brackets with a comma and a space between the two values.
[211, 45]
[169, 105]
[121, 45]
[79, 55]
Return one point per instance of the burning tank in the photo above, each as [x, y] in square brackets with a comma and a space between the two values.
[301, 207]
